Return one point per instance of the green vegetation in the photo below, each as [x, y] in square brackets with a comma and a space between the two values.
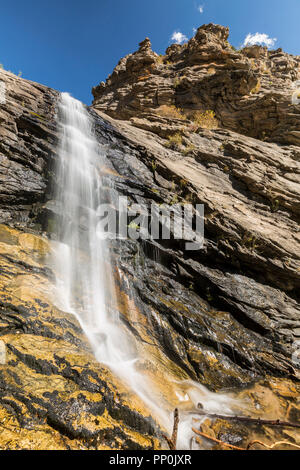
[249, 241]
[178, 81]
[18, 75]
[160, 59]
[256, 89]
[133, 226]
[174, 200]
[174, 141]
[37, 115]
[171, 112]
[189, 149]
[206, 120]
[153, 165]
[231, 46]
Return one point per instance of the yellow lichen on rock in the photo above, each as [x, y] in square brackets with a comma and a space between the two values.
[56, 395]
[33, 243]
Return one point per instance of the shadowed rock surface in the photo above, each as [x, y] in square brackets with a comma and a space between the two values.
[226, 316]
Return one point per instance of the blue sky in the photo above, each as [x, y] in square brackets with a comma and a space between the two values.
[72, 45]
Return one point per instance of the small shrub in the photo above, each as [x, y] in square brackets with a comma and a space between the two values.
[37, 115]
[133, 226]
[231, 46]
[155, 191]
[174, 200]
[160, 59]
[256, 89]
[174, 142]
[211, 70]
[178, 82]
[171, 112]
[153, 165]
[189, 149]
[183, 183]
[206, 120]
[18, 75]
[265, 70]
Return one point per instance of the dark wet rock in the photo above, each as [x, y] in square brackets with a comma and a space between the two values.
[27, 145]
[235, 300]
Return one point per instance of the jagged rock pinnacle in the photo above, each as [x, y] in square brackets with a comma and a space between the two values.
[250, 89]
[145, 45]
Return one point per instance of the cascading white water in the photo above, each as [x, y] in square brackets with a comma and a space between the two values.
[85, 285]
[83, 265]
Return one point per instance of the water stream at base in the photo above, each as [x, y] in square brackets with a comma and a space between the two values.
[85, 285]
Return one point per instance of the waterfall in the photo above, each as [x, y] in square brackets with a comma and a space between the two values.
[82, 260]
[85, 285]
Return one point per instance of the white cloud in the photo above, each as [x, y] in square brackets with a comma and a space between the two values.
[200, 8]
[259, 38]
[178, 37]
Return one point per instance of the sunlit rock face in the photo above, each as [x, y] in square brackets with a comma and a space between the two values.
[249, 90]
[54, 394]
[225, 317]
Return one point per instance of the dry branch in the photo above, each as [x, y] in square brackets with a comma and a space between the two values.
[267, 446]
[246, 419]
[217, 441]
[272, 445]
[172, 443]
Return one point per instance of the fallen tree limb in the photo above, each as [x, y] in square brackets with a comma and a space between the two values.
[267, 446]
[245, 419]
[217, 441]
[272, 445]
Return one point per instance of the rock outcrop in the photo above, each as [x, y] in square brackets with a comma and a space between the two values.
[247, 273]
[53, 392]
[249, 90]
[233, 307]
[27, 145]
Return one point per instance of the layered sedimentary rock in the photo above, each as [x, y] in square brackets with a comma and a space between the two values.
[27, 145]
[233, 307]
[226, 316]
[236, 299]
[249, 90]
[53, 392]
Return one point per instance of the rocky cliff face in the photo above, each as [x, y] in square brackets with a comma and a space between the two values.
[226, 316]
[249, 90]
[53, 393]
[248, 186]
[27, 145]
